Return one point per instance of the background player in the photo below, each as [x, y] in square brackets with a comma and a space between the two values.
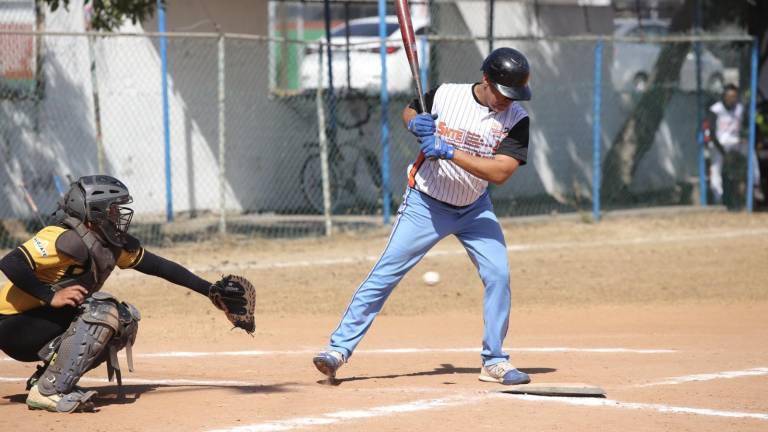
[52, 310]
[726, 116]
[481, 136]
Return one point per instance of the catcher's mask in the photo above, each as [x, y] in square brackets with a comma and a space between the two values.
[99, 200]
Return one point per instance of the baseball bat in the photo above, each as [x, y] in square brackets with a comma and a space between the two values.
[409, 44]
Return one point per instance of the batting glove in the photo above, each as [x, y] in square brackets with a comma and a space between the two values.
[422, 124]
[434, 147]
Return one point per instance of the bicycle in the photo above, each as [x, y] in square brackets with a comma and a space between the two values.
[354, 177]
[354, 170]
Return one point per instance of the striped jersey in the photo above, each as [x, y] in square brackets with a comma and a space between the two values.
[728, 124]
[463, 122]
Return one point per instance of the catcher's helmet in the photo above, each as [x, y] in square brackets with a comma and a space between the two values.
[98, 199]
[508, 70]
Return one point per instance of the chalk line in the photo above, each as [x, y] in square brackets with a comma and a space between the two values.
[759, 371]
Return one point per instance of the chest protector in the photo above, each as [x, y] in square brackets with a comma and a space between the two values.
[85, 246]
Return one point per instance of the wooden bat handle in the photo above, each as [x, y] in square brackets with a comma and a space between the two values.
[409, 44]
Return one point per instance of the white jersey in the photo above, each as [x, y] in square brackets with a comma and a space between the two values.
[728, 124]
[470, 127]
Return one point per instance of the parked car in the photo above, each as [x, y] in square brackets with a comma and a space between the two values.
[364, 62]
[634, 62]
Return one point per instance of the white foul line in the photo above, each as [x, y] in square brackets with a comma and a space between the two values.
[430, 404]
[435, 253]
[268, 353]
[339, 416]
[708, 377]
[760, 371]
[257, 353]
[419, 405]
[594, 402]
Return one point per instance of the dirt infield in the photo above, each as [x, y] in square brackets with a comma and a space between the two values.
[667, 313]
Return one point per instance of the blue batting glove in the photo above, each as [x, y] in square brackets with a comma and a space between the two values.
[422, 124]
[434, 147]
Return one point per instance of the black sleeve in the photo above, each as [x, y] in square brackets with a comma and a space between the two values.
[429, 97]
[515, 144]
[16, 268]
[154, 265]
[712, 120]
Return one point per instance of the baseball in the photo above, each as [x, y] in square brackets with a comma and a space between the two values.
[431, 277]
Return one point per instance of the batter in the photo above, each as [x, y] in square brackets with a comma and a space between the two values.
[470, 135]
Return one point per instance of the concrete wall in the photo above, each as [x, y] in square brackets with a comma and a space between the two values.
[228, 16]
[51, 132]
[57, 135]
[268, 136]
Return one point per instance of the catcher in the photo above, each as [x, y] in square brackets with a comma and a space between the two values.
[52, 309]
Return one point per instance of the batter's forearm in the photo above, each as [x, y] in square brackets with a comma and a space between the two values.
[496, 170]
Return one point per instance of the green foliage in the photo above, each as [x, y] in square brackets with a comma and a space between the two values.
[110, 14]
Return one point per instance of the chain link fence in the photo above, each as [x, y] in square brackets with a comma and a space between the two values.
[251, 119]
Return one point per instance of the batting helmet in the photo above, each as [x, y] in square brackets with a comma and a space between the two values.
[508, 70]
[98, 199]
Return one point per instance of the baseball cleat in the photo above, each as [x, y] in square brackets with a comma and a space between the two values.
[503, 373]
[328, 362]
[77, 400]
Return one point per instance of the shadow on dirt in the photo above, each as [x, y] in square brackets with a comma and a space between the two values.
[130, 393]
[444, 369]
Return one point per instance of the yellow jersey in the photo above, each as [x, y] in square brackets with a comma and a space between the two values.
[50, 267]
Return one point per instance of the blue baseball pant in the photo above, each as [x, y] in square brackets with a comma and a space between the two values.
[421, 222]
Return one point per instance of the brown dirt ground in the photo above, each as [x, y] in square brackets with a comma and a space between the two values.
[695, 283]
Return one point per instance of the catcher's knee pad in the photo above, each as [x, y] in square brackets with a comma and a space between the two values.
[128, 328]
[129, 317]
[81, 345]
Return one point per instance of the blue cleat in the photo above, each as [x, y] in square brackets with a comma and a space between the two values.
[328, 362]
[503, 373]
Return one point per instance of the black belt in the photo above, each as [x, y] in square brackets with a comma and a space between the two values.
[455, 207]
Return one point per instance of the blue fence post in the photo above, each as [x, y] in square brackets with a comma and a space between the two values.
[166, 122]
[702, 166]
[385, 193]
[703, 183]
[331, 92]
[752, 118]
[700, 130]
[596, 102]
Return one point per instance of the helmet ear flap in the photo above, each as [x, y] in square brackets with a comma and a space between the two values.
[73, 202]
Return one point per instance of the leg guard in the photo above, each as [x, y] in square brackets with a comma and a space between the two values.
[77, 351]
[128, 328]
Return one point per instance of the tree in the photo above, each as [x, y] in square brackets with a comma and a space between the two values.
[637, 134]
[110, 14]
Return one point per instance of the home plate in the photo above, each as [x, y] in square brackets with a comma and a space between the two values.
[557, 389]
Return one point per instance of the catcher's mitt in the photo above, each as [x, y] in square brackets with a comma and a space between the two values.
[236, 296]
